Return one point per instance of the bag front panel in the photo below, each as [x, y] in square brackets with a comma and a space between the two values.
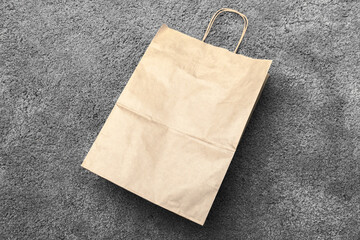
[173, 131]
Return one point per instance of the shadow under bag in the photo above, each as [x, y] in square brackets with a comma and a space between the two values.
[173, 131]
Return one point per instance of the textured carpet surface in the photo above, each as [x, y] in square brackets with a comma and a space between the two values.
[295, 174]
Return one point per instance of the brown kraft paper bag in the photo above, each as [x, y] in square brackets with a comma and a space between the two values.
[174, 129]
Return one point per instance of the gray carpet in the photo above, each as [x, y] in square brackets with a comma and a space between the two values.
[295, 174]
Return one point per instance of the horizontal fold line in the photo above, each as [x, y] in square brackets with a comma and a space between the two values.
[149, 118]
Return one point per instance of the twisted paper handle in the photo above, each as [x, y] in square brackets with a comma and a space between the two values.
[227, 10]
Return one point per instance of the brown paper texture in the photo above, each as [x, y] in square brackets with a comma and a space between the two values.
[173, 131]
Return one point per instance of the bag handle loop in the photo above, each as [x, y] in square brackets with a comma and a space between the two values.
[218, 12]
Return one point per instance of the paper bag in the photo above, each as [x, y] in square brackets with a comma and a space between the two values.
[173, 131]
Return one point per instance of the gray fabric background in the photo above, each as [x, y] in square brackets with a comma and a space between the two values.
[295, 174]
